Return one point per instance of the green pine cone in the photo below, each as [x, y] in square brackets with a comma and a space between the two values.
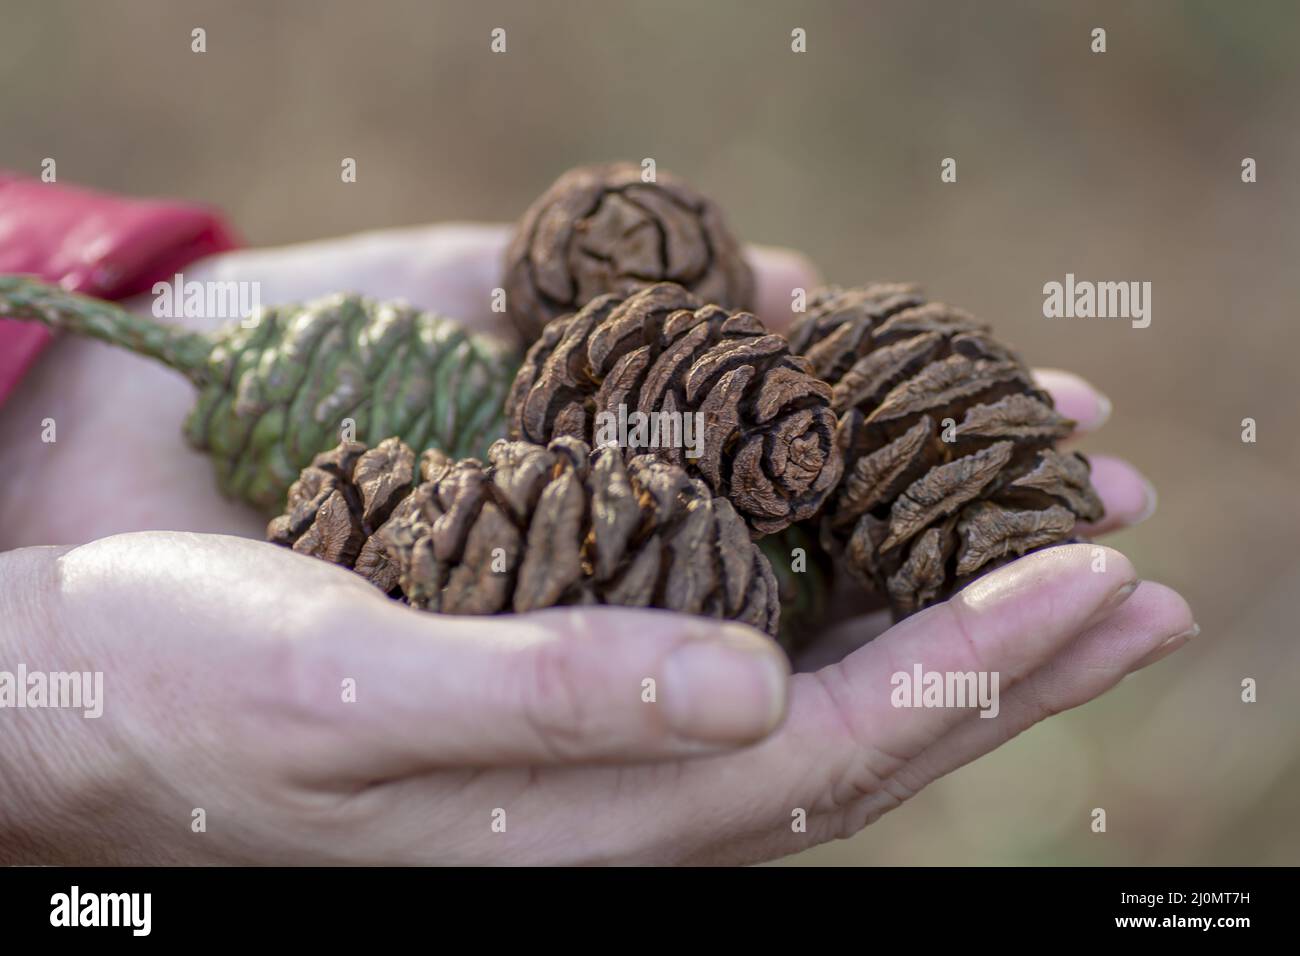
[281, 387]
[279, 392]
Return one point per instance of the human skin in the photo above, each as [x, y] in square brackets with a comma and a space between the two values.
[225, 660]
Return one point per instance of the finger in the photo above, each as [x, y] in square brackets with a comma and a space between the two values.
[1129, 498]
[1150, 625]
[450, 268]
[465, 261]
[335, 681]
[844, 736]
[1008, 622]
[1088, 667]
[778, 272]
[560, 686]
[1075, 398]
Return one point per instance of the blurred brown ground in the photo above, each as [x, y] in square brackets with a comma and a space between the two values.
[1117, 166]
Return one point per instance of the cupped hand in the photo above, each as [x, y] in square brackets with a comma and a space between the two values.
[262, 707]
[527, 739]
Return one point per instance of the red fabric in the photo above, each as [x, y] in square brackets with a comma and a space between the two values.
[90, 242]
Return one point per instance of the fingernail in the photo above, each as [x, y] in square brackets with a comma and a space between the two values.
[1104, 408]
[1167, 647]
[1149, 507]
[728, 688]
[1112, 603]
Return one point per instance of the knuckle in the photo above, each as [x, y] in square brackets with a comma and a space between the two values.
[855, 817]
[301, 673]
[959, 623]
[1039, 706]
[863, 779]
[553, 698]
[866, 768]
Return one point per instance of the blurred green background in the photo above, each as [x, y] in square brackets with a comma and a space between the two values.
[1119, 166]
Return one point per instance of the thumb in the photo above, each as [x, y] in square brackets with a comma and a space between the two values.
[558, 686]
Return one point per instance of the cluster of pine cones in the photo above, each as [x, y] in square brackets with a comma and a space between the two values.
[891, 437]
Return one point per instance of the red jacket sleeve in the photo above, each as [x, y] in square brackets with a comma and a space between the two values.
[90, 242]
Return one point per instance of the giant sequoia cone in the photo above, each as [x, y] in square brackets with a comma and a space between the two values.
[950, 465]
[346, 495]
[602, 229]
[768, 432]
[534, 528]
[276, 389]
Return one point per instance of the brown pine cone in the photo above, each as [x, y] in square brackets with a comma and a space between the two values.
[544, 526]
[950, 465]
[601, 229]
[534, 528]
[768, 433]
[344, 496]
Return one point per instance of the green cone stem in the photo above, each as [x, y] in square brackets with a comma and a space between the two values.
[24, 298]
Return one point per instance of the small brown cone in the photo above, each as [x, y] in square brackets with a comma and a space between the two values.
[536, 527]
[346, 495]
[949, 445]
[605, 228]
[768, 439]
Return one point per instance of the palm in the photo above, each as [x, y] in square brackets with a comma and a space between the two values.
[120, 464]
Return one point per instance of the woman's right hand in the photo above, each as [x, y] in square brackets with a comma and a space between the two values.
[303, 717]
